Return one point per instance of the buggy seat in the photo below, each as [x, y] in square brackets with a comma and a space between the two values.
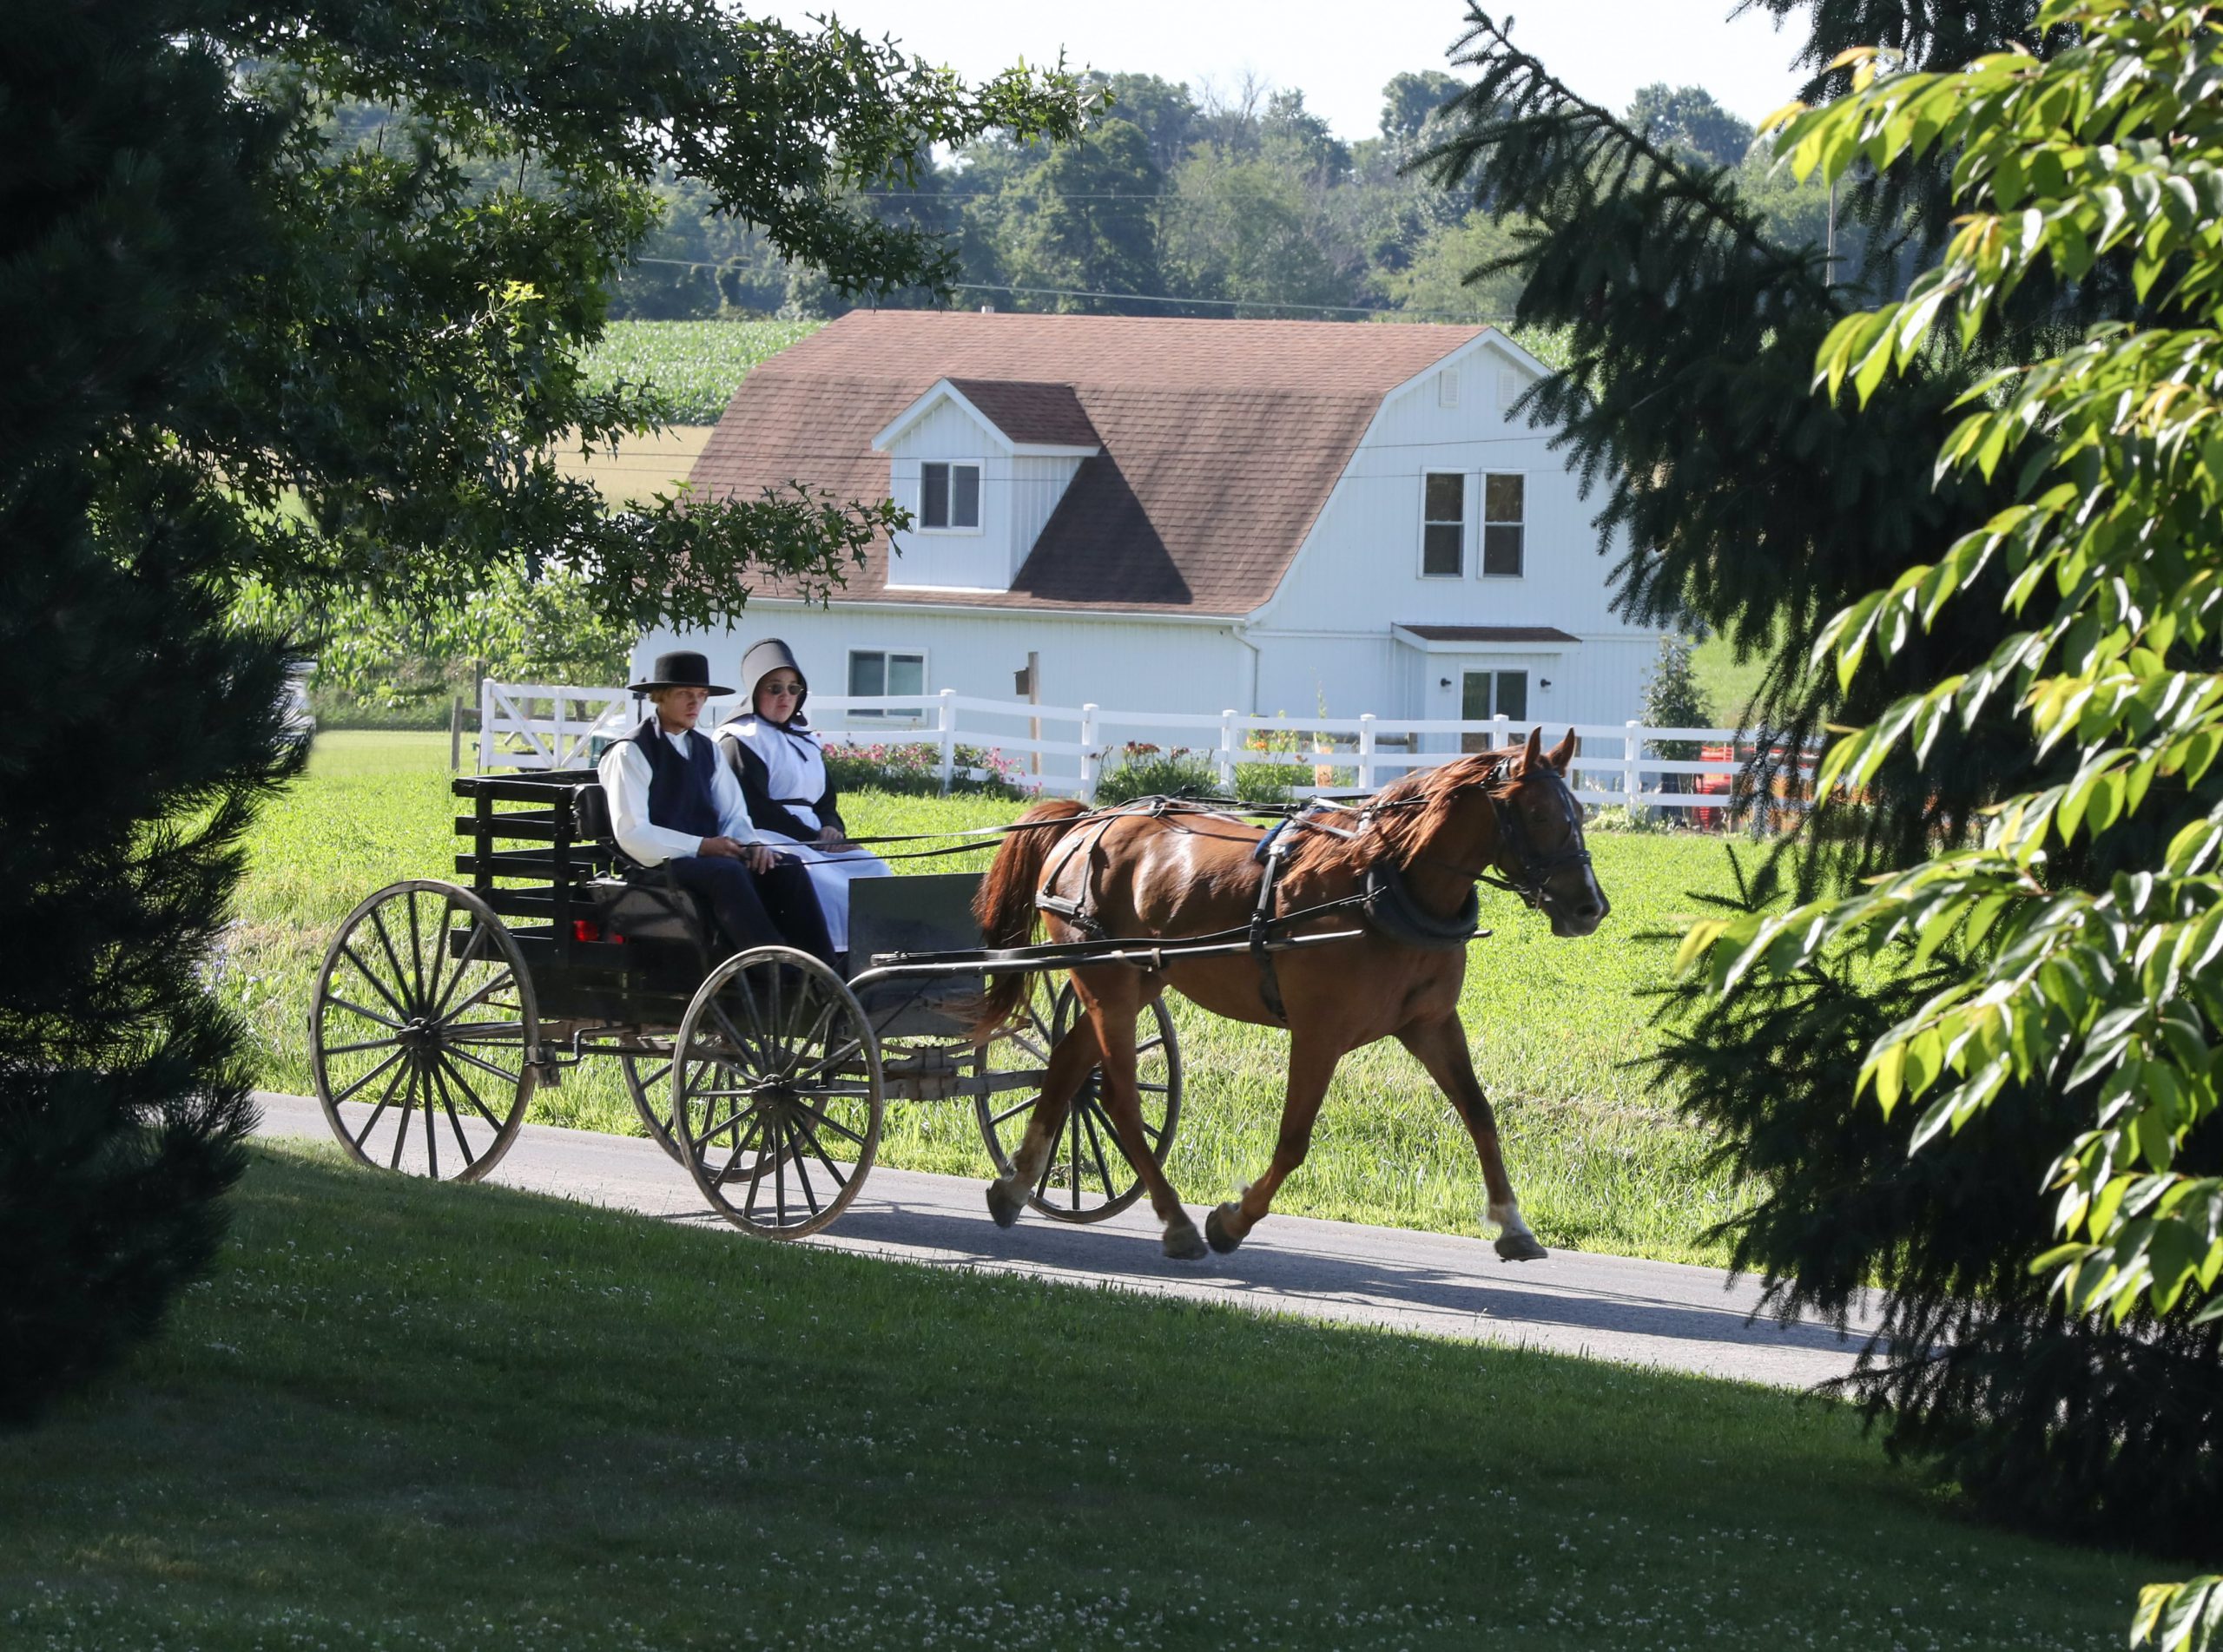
[631, 903]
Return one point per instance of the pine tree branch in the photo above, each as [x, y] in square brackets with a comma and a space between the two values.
[1571, 110]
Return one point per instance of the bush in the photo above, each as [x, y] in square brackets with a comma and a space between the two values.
[1265, 783]
[1269, 784]
[1145, 770]
[912, 768]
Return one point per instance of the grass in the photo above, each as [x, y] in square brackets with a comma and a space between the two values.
[1597, 1151]
[697, 365]
[409, 1416]
[1728, 682]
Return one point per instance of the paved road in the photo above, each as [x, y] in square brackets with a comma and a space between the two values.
[1609, 1307]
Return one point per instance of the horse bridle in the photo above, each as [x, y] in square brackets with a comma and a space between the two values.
[1532, 868]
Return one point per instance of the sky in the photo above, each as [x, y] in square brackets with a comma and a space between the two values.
[1340, 53]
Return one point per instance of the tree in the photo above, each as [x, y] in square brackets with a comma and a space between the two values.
[247, 340]
[1086, 222]
[1410, 102]
[2110, 991]
[1687, 120]
[1673, 698]
[1760, 509]
[1161, 110]
[1450, 277]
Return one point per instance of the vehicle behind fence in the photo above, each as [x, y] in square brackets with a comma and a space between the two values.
[1067, 750]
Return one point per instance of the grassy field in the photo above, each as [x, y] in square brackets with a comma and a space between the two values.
[1599, 1157]
[411, 1417]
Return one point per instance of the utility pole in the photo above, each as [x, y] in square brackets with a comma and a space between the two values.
[1830, 234]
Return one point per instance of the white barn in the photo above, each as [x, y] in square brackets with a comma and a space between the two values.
[1185, 516]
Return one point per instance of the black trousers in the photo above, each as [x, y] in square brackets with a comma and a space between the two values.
[773, 908]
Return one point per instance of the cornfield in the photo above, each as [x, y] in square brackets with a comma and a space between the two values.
[696, 365]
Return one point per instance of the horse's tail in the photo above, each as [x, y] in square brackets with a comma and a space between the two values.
[1005, 905]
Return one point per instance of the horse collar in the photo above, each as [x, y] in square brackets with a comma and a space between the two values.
[1391, 909]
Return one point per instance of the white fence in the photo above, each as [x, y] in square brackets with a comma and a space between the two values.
[1065, 749]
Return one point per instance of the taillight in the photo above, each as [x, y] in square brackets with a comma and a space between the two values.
[585, 929]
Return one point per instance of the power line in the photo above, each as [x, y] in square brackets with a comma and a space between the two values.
[1001, 199]
[1467, 320]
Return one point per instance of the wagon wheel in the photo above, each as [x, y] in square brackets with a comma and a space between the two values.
[1088, 1177]
[648, 1080]
[775, 1091]
[423, 1032]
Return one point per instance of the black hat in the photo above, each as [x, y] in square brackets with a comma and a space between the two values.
[680, 670]
[762, 660]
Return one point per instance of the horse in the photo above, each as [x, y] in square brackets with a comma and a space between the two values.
[1409, 859]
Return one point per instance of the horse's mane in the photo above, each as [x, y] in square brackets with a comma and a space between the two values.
[1407, 813]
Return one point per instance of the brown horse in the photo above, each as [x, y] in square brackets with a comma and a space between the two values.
[1170, 872]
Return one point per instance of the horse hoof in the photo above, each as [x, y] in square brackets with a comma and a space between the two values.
[1216, 1230]
[1004, 1204]
[1182, 1243]
[1520, 1248]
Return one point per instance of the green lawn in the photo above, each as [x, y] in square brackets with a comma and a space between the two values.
[1728, 682]
[402, 1416]
[1599, 1157]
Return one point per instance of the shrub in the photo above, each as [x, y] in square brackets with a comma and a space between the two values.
[1268, 783]
[914, 768]
[1265, 783]
[1145, 770]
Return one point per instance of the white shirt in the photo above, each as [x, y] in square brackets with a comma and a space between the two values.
[625, 776]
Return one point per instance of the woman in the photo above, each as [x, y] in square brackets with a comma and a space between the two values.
[782, 767]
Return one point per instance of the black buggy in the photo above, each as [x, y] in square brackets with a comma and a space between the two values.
[441, 1006]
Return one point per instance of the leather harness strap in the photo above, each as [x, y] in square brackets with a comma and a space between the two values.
[1262, 921]
[1075, 910]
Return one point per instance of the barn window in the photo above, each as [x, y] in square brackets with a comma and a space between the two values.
[874, 672]
[949, 496]
[1447, 388]
[1443, 525]
[1505, 508]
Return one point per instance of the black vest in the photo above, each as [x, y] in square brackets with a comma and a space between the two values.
[680, 795]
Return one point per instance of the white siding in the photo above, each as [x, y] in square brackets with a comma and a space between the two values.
[1038, 483]
[956, 559]
[1359, 572]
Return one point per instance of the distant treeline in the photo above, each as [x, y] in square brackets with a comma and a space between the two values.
[1217, 203]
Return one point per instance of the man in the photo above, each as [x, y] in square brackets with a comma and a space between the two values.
[674, 805]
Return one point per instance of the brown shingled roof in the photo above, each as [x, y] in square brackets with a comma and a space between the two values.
[1490, 634]
[1220, 439]
[1043, 415]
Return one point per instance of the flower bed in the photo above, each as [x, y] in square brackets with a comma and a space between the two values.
[914, 767]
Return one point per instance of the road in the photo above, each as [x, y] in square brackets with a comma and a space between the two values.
[1605, 1308]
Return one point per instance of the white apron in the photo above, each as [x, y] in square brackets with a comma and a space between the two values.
[794, 766]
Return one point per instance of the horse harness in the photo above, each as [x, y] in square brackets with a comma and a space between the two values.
[1384, 902]
[1076, 910]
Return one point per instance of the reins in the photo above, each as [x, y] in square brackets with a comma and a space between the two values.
[1158, 808]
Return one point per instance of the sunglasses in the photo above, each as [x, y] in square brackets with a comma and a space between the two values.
[780, 689]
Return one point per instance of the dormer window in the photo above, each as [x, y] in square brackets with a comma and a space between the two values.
[949, 496]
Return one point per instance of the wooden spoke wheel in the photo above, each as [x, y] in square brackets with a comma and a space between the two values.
[776, 1095]
[423, 1033]
[1088, 1177]
[648, 1080]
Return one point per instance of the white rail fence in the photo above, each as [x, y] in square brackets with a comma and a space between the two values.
[538, 726]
